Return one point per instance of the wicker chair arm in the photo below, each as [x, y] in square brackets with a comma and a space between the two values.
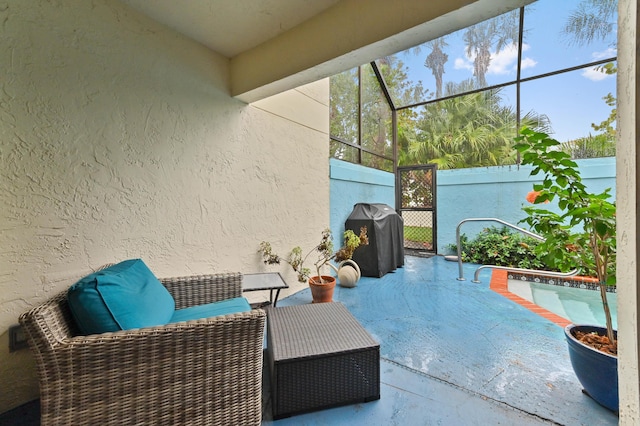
[156, 370]
[169, 333]
[202, 289]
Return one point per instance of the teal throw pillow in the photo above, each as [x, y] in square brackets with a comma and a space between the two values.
[121, 297]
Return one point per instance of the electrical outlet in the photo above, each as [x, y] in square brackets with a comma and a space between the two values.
[17, 338]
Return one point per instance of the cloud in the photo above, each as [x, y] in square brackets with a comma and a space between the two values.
[503, 62]
[528, 63]
[594, 74]
[462, 64]
[609, 53]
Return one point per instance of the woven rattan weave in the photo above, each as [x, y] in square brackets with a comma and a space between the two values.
[202, 372]
[319, 357]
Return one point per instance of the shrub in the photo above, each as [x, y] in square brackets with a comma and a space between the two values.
[501, 247]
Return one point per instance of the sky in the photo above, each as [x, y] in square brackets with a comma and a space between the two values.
[572, 101]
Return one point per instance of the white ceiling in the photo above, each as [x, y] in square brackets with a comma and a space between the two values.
[276, 45]
[230, 27]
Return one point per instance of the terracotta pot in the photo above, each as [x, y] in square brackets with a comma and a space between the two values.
[322, 293]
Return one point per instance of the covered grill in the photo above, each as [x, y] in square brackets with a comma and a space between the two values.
[385, 229]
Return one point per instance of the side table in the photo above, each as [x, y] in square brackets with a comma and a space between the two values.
[264, 281]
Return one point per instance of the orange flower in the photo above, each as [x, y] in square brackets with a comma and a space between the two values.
[533, 195]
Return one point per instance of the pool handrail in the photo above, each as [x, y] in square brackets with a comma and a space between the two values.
[538, 272]
[507, 268]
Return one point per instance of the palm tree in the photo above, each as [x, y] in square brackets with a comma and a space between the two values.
[466, 131]
[592, 20]
[592, 146]
[474, 130]
[435, 62]
[480, 38]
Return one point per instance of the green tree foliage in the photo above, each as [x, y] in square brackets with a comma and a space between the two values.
[594, 20]
[361, 115]
[376, 118]
[344, 110]
[582, 233]
[466, 131]
[603, 144]
[590, 147]
[397, 81]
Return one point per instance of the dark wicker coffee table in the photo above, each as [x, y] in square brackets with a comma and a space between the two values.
[319, 357]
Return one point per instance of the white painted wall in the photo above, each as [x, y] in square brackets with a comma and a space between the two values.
[628, 213]
[118, 139]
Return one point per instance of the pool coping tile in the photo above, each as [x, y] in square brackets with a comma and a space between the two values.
[500, 284]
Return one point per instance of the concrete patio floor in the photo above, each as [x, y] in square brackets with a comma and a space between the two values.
[456, 353]
[452, 353]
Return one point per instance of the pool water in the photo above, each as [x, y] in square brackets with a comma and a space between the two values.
[580, 306]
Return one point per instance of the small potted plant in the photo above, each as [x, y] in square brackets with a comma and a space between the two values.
[581, 235]
[321, 285]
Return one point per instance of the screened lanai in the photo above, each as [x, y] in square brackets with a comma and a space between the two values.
[457, 102]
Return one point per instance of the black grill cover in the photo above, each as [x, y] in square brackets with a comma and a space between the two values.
[385, 229]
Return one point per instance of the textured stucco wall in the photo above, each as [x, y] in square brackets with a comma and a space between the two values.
[118, 139]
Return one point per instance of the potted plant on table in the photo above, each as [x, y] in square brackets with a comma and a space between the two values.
[583, 235]
[321, 285]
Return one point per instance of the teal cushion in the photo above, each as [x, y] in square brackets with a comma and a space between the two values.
[224, 307]
[120, 297]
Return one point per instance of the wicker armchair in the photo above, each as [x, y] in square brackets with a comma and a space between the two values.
[202, 372]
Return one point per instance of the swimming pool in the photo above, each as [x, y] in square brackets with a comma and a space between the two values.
[578, 302]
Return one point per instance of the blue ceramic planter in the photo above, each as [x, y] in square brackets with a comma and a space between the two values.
[597, 371]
